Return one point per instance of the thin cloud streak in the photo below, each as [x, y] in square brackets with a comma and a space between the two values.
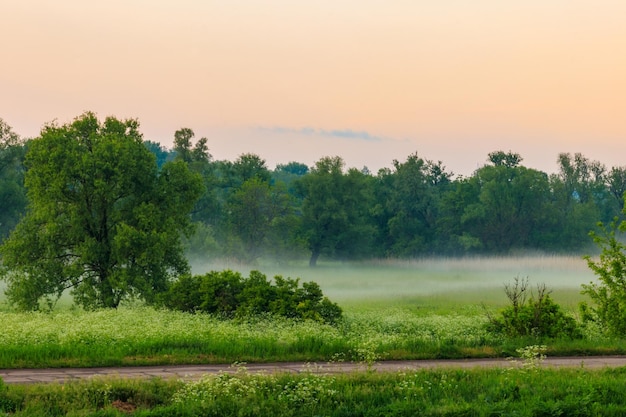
[335, 133]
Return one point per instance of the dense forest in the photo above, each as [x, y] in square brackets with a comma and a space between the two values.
[248, 211]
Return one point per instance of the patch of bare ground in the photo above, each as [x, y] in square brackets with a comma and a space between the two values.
[124, 407]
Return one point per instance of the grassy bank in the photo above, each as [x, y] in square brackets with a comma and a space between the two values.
[479, 392]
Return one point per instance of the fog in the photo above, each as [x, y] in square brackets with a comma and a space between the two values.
[470, 278]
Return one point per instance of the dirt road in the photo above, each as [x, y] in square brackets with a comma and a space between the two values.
[190, 372]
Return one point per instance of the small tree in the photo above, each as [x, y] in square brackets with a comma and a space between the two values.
[609, 294]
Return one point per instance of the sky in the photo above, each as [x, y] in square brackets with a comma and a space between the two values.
[372, 81]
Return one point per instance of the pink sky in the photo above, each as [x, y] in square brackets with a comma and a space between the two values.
[368, 80]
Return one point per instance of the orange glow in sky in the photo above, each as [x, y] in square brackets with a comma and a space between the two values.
[367, 80]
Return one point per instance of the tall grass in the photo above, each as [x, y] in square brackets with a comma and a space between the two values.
[524, 391]
[527, 392]
[143, 335]
[146, 335]
[419, 309]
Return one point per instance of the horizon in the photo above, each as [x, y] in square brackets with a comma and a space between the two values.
[290, 138]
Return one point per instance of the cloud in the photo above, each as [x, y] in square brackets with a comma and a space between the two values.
[335, 133]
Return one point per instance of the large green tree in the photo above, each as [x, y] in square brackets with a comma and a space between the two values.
[581, 198]
[254, 211]
[336, 207]
[409, 199]
[102, 220]
[503, 205]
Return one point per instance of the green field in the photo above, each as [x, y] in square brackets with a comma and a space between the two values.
[393, 310]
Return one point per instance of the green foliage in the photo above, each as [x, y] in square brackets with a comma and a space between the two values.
[12, 191]
[102, 220]
[536, 316]
[582, 197]
[335, 210]
[220, 292]
[609, 294]
[287, 173]
[162, 155]
[142, 336]
[183, 150]
[150, 336]
[230, 390]
[229, 294]
[201, 245]
[616, 180]
[507, 205]
[532, 356]
[408, 206]
[256, 214]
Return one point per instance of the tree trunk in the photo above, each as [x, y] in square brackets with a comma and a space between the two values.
[314, 255]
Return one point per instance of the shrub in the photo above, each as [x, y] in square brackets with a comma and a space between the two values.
[537, 316]
[609, 294]
[184, 294]
[220, 292]
[229, 294]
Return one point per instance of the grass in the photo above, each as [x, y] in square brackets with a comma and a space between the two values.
[526, 391]
[148, 336]
[143, 335]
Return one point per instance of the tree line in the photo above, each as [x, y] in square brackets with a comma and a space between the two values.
[244, 210]
[415, 208]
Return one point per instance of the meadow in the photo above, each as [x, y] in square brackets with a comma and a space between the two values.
[393, 310]
[429, 308]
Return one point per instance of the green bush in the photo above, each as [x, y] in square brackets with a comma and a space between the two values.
[220, 292]
[536, 316]
[185, 294]
[609, 293]
[229, 294]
